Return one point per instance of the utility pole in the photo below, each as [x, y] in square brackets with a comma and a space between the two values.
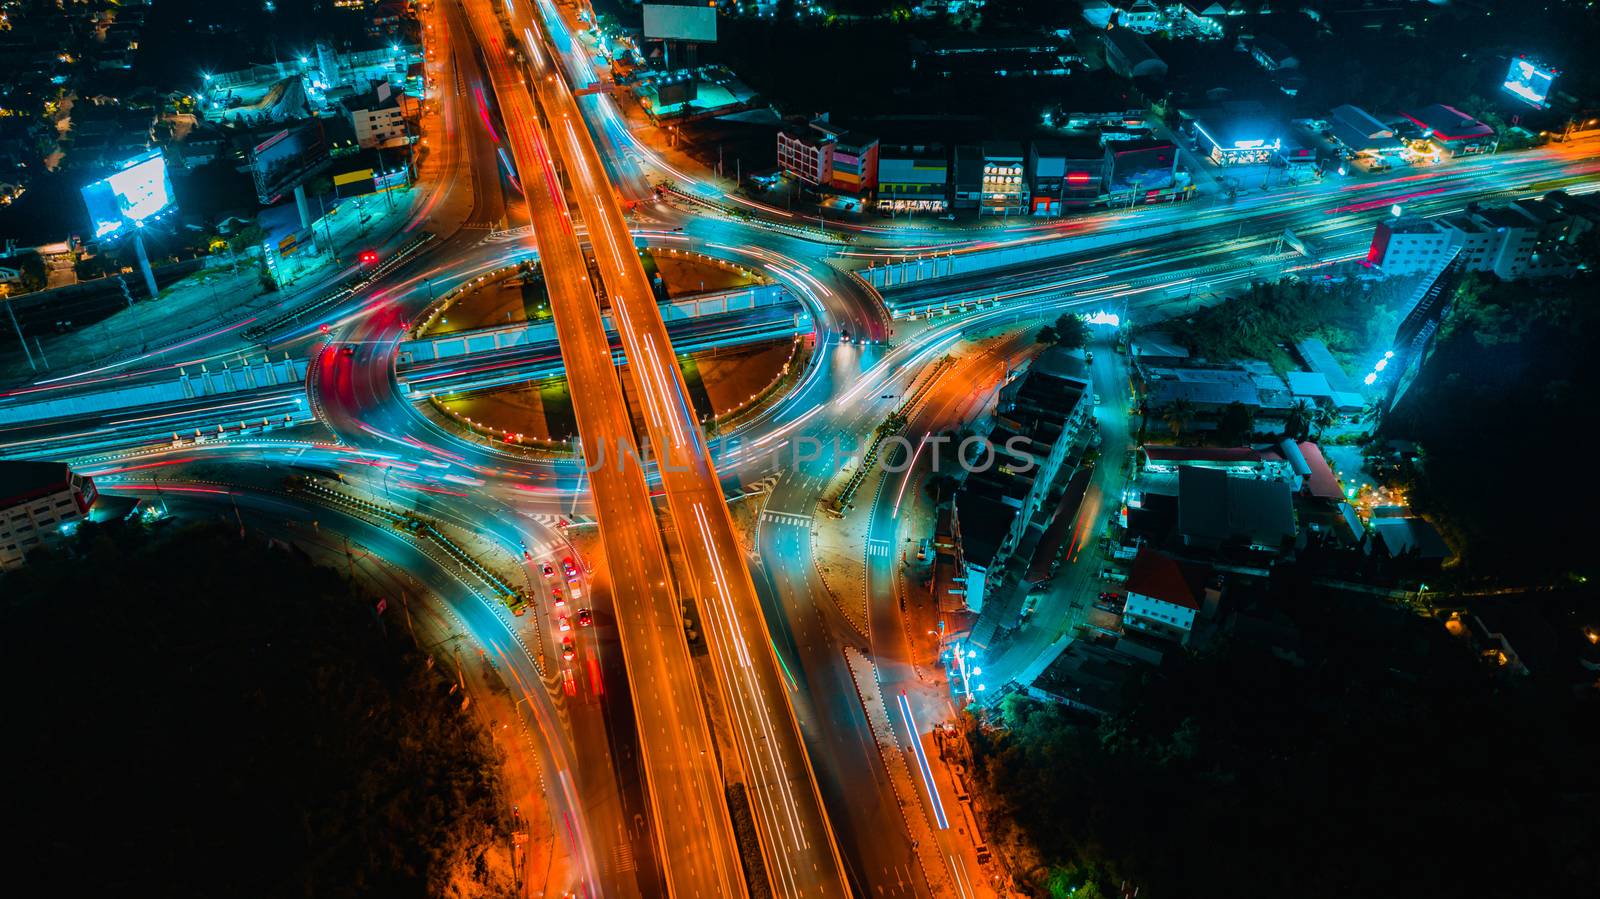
[20, 339]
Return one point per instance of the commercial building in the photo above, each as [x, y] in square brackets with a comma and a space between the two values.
[1202, 17]
[913, 178]
[855, 163]
[36, 500]
[967, 179]
[1361, 133]
[1037, 420]
[1004, 187]
[1026, 53]
[1452, 132]
[1524, 239]
[1065, 174]
[820, 154]
[1408, 245]
[378, 118]
[806, 154]
[1236, 139]
[1129, 56]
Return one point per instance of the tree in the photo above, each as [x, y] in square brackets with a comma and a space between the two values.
[938, 486]
[1297, 423]
[1071, 332]
[1324, 418]
[246, 239]
[34, 275]
[1237, 423]
[1047, 336]
[1177, 414]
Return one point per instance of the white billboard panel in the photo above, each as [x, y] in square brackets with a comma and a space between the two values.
[140, 189]
[680, 23]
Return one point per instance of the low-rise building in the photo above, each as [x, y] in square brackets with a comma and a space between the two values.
[806, 154]
[1228, 139]
[855, 163]
[1143, 16]
[378, 118]
[967, 179]
[1218, 512]
[1167, 595]
[1408, 245]
[1065, 174]
[1361, 133]
[1529, 238]
[1452, 132]
[913, 179]
[1004, 188]
[1129, 56]
[1203, 17]
[1271, 54]
[36, 500]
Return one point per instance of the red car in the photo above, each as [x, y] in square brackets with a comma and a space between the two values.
[585, 618]
[569, 650]
[570, 569]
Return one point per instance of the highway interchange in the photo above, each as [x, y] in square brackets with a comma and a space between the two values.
[634, 768]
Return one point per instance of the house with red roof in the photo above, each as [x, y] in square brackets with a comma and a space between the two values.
[1452, 131]
[1165, 595]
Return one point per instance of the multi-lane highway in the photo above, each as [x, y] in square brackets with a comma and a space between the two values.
[681, 766]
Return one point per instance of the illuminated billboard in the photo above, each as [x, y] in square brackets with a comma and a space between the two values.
[680, 23]
[139, 190]
[1530, 79]
[287, 159]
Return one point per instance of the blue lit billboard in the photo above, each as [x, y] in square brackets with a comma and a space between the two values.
[139, 190]
[1530, 80]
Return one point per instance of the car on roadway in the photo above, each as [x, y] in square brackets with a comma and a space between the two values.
[569, 649]
[348, 349]
[576, 589]
[569, 568]
[556, 598]
[563, 624]
[548, 570]
[585, 618]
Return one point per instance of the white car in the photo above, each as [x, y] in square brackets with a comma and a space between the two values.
[576, 589]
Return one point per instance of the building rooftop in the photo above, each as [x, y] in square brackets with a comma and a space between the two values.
[1407, 535]
[1208, 386]
[1322, 482]
[1002, 149]
[1238, 130]
[1159, 576]
[1449, 123]
[23, 481]
[1237, 454]
[1214, 507]
[1308, 383]
[1131, 46]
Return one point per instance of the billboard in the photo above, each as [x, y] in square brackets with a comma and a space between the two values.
[1530, 79]
[140, 189]
[680, 23]
[286, 159]
[1143, 165]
